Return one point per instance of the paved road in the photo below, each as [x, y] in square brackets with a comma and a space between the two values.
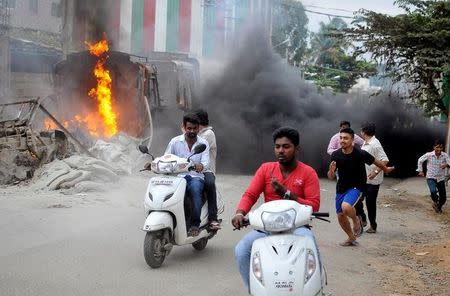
[56, 244]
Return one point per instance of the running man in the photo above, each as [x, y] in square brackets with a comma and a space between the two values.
[350, 161]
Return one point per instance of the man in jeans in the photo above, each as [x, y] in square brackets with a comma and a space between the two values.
[287, 178]
[182, 146]
[374, 174]
[437, 162]
[206, 132]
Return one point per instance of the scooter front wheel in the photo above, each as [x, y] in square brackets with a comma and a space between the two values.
[154, 252]
[200, 244]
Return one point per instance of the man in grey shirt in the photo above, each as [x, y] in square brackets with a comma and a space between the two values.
[206, 132]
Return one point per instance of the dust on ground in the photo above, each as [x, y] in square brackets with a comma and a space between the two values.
[413, 254]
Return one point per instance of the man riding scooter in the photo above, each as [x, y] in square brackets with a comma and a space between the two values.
[286, 179]
[182, 146]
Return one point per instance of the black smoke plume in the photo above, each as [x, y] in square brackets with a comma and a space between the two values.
[96, 17]
[257, 92]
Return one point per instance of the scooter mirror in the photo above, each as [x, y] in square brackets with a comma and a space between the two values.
[199, 149]
[143, 149]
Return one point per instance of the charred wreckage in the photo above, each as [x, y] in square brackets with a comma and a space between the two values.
[37, 131]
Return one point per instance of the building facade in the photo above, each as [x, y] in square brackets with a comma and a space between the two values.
[200, 28]
[43, 15]
[30, 38]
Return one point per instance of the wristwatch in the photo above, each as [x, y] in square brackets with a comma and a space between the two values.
[287, 194]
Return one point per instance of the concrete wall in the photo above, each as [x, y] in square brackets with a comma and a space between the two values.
[22, 16]
[31, 84]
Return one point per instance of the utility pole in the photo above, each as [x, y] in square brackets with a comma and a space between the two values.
[5, 56]
[446, 100]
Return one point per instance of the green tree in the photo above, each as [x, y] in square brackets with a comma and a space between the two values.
[323, 45]
[329, 65]
[289, 30]
[414, 46]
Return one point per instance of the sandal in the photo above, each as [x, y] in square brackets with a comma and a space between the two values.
[348, 243]
[214, 224]
[360, 231]
[193, 231]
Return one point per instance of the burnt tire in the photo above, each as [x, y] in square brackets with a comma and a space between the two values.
[200, 244]
[154, 252]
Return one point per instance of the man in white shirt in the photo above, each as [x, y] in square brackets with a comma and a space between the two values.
[182, 146]
[206, 132]
[374, 174]
[437, 162]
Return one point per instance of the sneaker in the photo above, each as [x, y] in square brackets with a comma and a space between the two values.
[193, 231]
[436, 208]
[371, 230]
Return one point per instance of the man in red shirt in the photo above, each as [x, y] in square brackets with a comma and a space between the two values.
[286, 179]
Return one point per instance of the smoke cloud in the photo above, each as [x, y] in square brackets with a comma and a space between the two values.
[258, 93]
[94, 15]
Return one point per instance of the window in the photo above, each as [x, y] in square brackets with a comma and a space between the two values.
[8, 3]
[34, 6]
[56, 9]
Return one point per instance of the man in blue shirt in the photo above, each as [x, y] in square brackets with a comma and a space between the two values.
[182, 146]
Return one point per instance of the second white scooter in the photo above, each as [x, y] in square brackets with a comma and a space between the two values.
[167, 209]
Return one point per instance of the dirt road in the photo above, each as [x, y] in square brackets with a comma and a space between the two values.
[91, 244]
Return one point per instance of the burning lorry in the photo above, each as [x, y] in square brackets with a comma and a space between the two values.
[98, 95]
[141, 89]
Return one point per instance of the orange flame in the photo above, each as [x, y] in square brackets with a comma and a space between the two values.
[50, 124]
[102, 93]
[98, 48]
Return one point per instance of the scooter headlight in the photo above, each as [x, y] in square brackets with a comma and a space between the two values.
[257, 267]
[310, 265]
[168, 167]
[150, 196]
[279, 221]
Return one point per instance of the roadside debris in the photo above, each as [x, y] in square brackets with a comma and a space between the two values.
[25, 145]
[53, 157]
[79, 173]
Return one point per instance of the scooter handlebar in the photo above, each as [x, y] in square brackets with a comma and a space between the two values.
[245, 223]
[321, 214]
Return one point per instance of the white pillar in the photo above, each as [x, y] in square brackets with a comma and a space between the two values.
[196, 46]
[125, 25]
[161, 25]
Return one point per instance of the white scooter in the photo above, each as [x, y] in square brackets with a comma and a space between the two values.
[167, 210]
[283, 263]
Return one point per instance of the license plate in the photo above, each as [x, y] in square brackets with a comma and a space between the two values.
[284, 285]
[162, 182]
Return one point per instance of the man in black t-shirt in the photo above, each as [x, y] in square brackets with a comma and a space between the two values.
[350, 161]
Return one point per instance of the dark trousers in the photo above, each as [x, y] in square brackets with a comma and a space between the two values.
[435, 188]
[371, 195]
[359, 208]
[211, 195]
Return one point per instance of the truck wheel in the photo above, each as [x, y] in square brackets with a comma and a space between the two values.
[200, 244]
[154, 252]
